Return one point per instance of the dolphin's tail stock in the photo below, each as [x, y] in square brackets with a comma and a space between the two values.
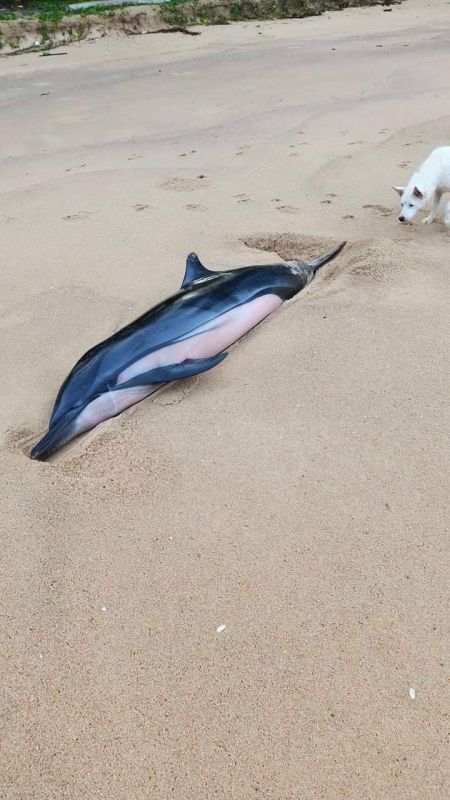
[55, 437]
[319, 262]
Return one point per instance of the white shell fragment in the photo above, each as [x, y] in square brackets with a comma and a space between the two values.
[220, 628]
[412, 693]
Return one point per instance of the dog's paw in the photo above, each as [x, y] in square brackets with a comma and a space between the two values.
[428, 220]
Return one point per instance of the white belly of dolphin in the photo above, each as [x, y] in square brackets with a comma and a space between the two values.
[210, 339]
[110, 404]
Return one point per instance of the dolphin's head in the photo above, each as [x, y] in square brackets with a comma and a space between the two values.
[307, 270]
[303, 271]
[56, 437]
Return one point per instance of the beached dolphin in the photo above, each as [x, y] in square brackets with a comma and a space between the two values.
[184, 335]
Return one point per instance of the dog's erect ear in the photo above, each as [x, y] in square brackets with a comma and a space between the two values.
[417, 192]
[399, 189]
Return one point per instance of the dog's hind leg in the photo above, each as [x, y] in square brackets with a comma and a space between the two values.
[447, 215]
[436, 200]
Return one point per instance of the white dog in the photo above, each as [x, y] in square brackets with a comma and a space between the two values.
[428, 184]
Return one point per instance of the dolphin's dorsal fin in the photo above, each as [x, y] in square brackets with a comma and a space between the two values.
[194, 270]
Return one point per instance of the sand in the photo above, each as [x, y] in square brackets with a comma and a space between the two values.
[298, 494]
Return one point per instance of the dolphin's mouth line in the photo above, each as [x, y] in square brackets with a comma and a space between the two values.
[51, 441]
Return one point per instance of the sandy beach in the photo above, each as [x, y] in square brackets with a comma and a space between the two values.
[297, 494]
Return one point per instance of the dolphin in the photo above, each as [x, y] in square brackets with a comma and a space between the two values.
[185, 335]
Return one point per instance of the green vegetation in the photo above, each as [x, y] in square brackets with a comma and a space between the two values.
[219, 12]
[52, 23]
[47, 16]
[51, 10]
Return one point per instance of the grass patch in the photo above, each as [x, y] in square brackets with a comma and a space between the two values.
[212, 12]
[50, 21]
[53, 11]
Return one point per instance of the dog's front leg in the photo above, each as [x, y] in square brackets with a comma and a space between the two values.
[436, 200]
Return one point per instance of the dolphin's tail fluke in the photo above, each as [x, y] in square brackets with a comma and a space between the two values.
[319, 262]
[55, 437]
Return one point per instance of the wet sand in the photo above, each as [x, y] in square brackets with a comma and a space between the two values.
[297, 494]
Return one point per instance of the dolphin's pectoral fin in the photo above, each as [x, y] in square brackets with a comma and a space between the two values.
[172, 372]
[194, 270]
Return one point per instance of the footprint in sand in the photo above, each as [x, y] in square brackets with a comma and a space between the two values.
[78, 215]
[404, 164]
[183, 184]
[348, 216]
[242, 198]
[242, 149]
[325, 202]
[141, 206]
[195, 207]
[287, 209]
[385, 212]
[133, 157]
